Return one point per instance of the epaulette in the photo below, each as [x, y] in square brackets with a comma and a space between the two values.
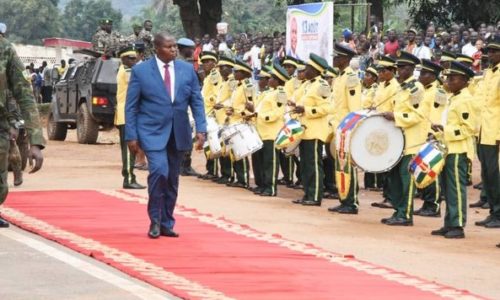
[416, 95]
[281, 97]
[232, 83]
[324, 89]
[352, 80]
[440, 98]
[214, 77]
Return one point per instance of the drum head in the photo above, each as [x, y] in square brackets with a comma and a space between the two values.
[376, 144]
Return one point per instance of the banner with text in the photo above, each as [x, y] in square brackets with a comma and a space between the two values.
[309, 28]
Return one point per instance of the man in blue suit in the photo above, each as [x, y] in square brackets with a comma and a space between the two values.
[160, 91]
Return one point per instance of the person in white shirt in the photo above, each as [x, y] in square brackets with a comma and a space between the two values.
[255, 55]
[422, 51]
[470, 48]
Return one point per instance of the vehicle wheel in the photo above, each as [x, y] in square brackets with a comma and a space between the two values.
[87, 128]
[56, 131]
[24, 145]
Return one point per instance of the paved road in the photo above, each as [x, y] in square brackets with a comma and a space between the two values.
[34, 268]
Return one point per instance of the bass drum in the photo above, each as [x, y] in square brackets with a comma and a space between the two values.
[376, 144]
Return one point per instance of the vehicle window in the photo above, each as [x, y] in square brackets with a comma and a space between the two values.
[108, 70]
[73, 72]
[68, 73]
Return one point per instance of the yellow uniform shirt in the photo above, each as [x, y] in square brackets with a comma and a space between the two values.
[367, 95]
[239, 100]
[436, 96]
[385, 96]
[461, 124]
[316, 105]
[410, 113]
[122, 79]
[347, 94]
[210, 89]
[224, 93]
[490, 102]
[270, 111]
[291, 86]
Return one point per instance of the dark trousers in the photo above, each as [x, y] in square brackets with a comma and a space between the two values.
[4, 164]
[212, 166]
[46, 92]
[402, 189]
[373, 180]
[455, 189]
[431, 195]
[226, 167]
[242, 170]
[258, 168]
[163, 183]
[270, 167]
[287, 167]
[311, 164]
[488, 156]
[186, 160]
[329, 169]
[128, 159]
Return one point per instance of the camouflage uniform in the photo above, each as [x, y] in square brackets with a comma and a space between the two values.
[147, 38]
[14, 117]
[104, 41]
[11, 78]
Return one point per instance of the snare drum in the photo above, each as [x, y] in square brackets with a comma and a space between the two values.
[374, 144]
[243, 140]
[426, 166]
[213, 140]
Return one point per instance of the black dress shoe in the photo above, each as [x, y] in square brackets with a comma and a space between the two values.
[478, 186]
[154, 231]
[298, 187]
[133, 186]
[298, 201]
[385, 220]
[479, 203]
[3, 223]
[429, 213]
[494, 223]
[267, 194]
[399, 222]
[335, 208]
[348, 210]
[486, 206]
[485, 221]
[417, 212]
[382, 204]
[168, 232]
[189, 171]
[223, 180]
[311, 203]
[282, 181]
[441, 231]
[237, 184]
[455, 233]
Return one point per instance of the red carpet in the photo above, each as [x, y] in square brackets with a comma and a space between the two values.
[213, 259]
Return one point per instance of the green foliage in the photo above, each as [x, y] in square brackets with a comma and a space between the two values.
[29, 21]
[253, 16]
[81, 18]
[168, 20]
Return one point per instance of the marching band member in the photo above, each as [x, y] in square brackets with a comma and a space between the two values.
[289, 163]
[257, 166]
[436, 96]
[409, 114]
[241, 108]
[226, 88]
[458, 135]
[313, 108]
[270, 111]
[383, 101]
[330, 190]
[347, 98]
[489, 135]
[211, 85]
[369, 86]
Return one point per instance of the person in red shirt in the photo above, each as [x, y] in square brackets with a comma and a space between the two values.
[392, 45]
[197, 52]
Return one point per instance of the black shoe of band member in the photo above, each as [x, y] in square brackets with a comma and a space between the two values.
[298, 201]
[133, 186]
[479, 203]
[348, 210]
[455, 233]
[399, 222]
[494, 223]
[483, 222]
[267, 194]
[311, 203]
[429, 213]
[441, 231]
[486, 206]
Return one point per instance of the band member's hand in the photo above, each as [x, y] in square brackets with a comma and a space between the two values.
[13, 134]
[218, 106]
[249, 106]
[133, 147]
[388, 116]
[291, 103]
[35, 158]
[200, 140]
[437, 127]
[229, 111]
[250, 117]
[299, 109]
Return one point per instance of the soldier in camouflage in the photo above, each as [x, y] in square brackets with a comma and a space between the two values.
[134, 37]
[12, 79]
[106, 40]
[14, 118]
[146, 36]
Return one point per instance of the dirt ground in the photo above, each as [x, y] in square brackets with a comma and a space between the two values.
[471, 264]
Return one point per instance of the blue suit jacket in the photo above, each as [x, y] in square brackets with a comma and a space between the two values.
[150, 115]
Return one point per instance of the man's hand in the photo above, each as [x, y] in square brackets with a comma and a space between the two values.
[13, 133]
[35, 158]
[437, 127]
[291, 103]
[299, 110]
[200, 140]
[229, 111]
[388, 116]
[249, 106]
[218, 106]
[133, 146]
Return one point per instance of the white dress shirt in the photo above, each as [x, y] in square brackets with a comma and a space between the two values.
[171, 70]
[469, 49]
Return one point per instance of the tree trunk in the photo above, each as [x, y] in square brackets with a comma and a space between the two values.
[190, 17]
[377, 10]
[210, 13]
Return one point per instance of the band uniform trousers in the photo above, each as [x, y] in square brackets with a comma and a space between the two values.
[352, 200]
[212, 166]
[287, 165]
[431, 195]
[402, 189]
[374, 180]
[242, 170]
[4, 164]
[164, 167]
[488, 156]
[257, 168]
[128, 159]
[226, 167]
[455, 186]
[270, 167]
[311, 161]
[329, 169]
